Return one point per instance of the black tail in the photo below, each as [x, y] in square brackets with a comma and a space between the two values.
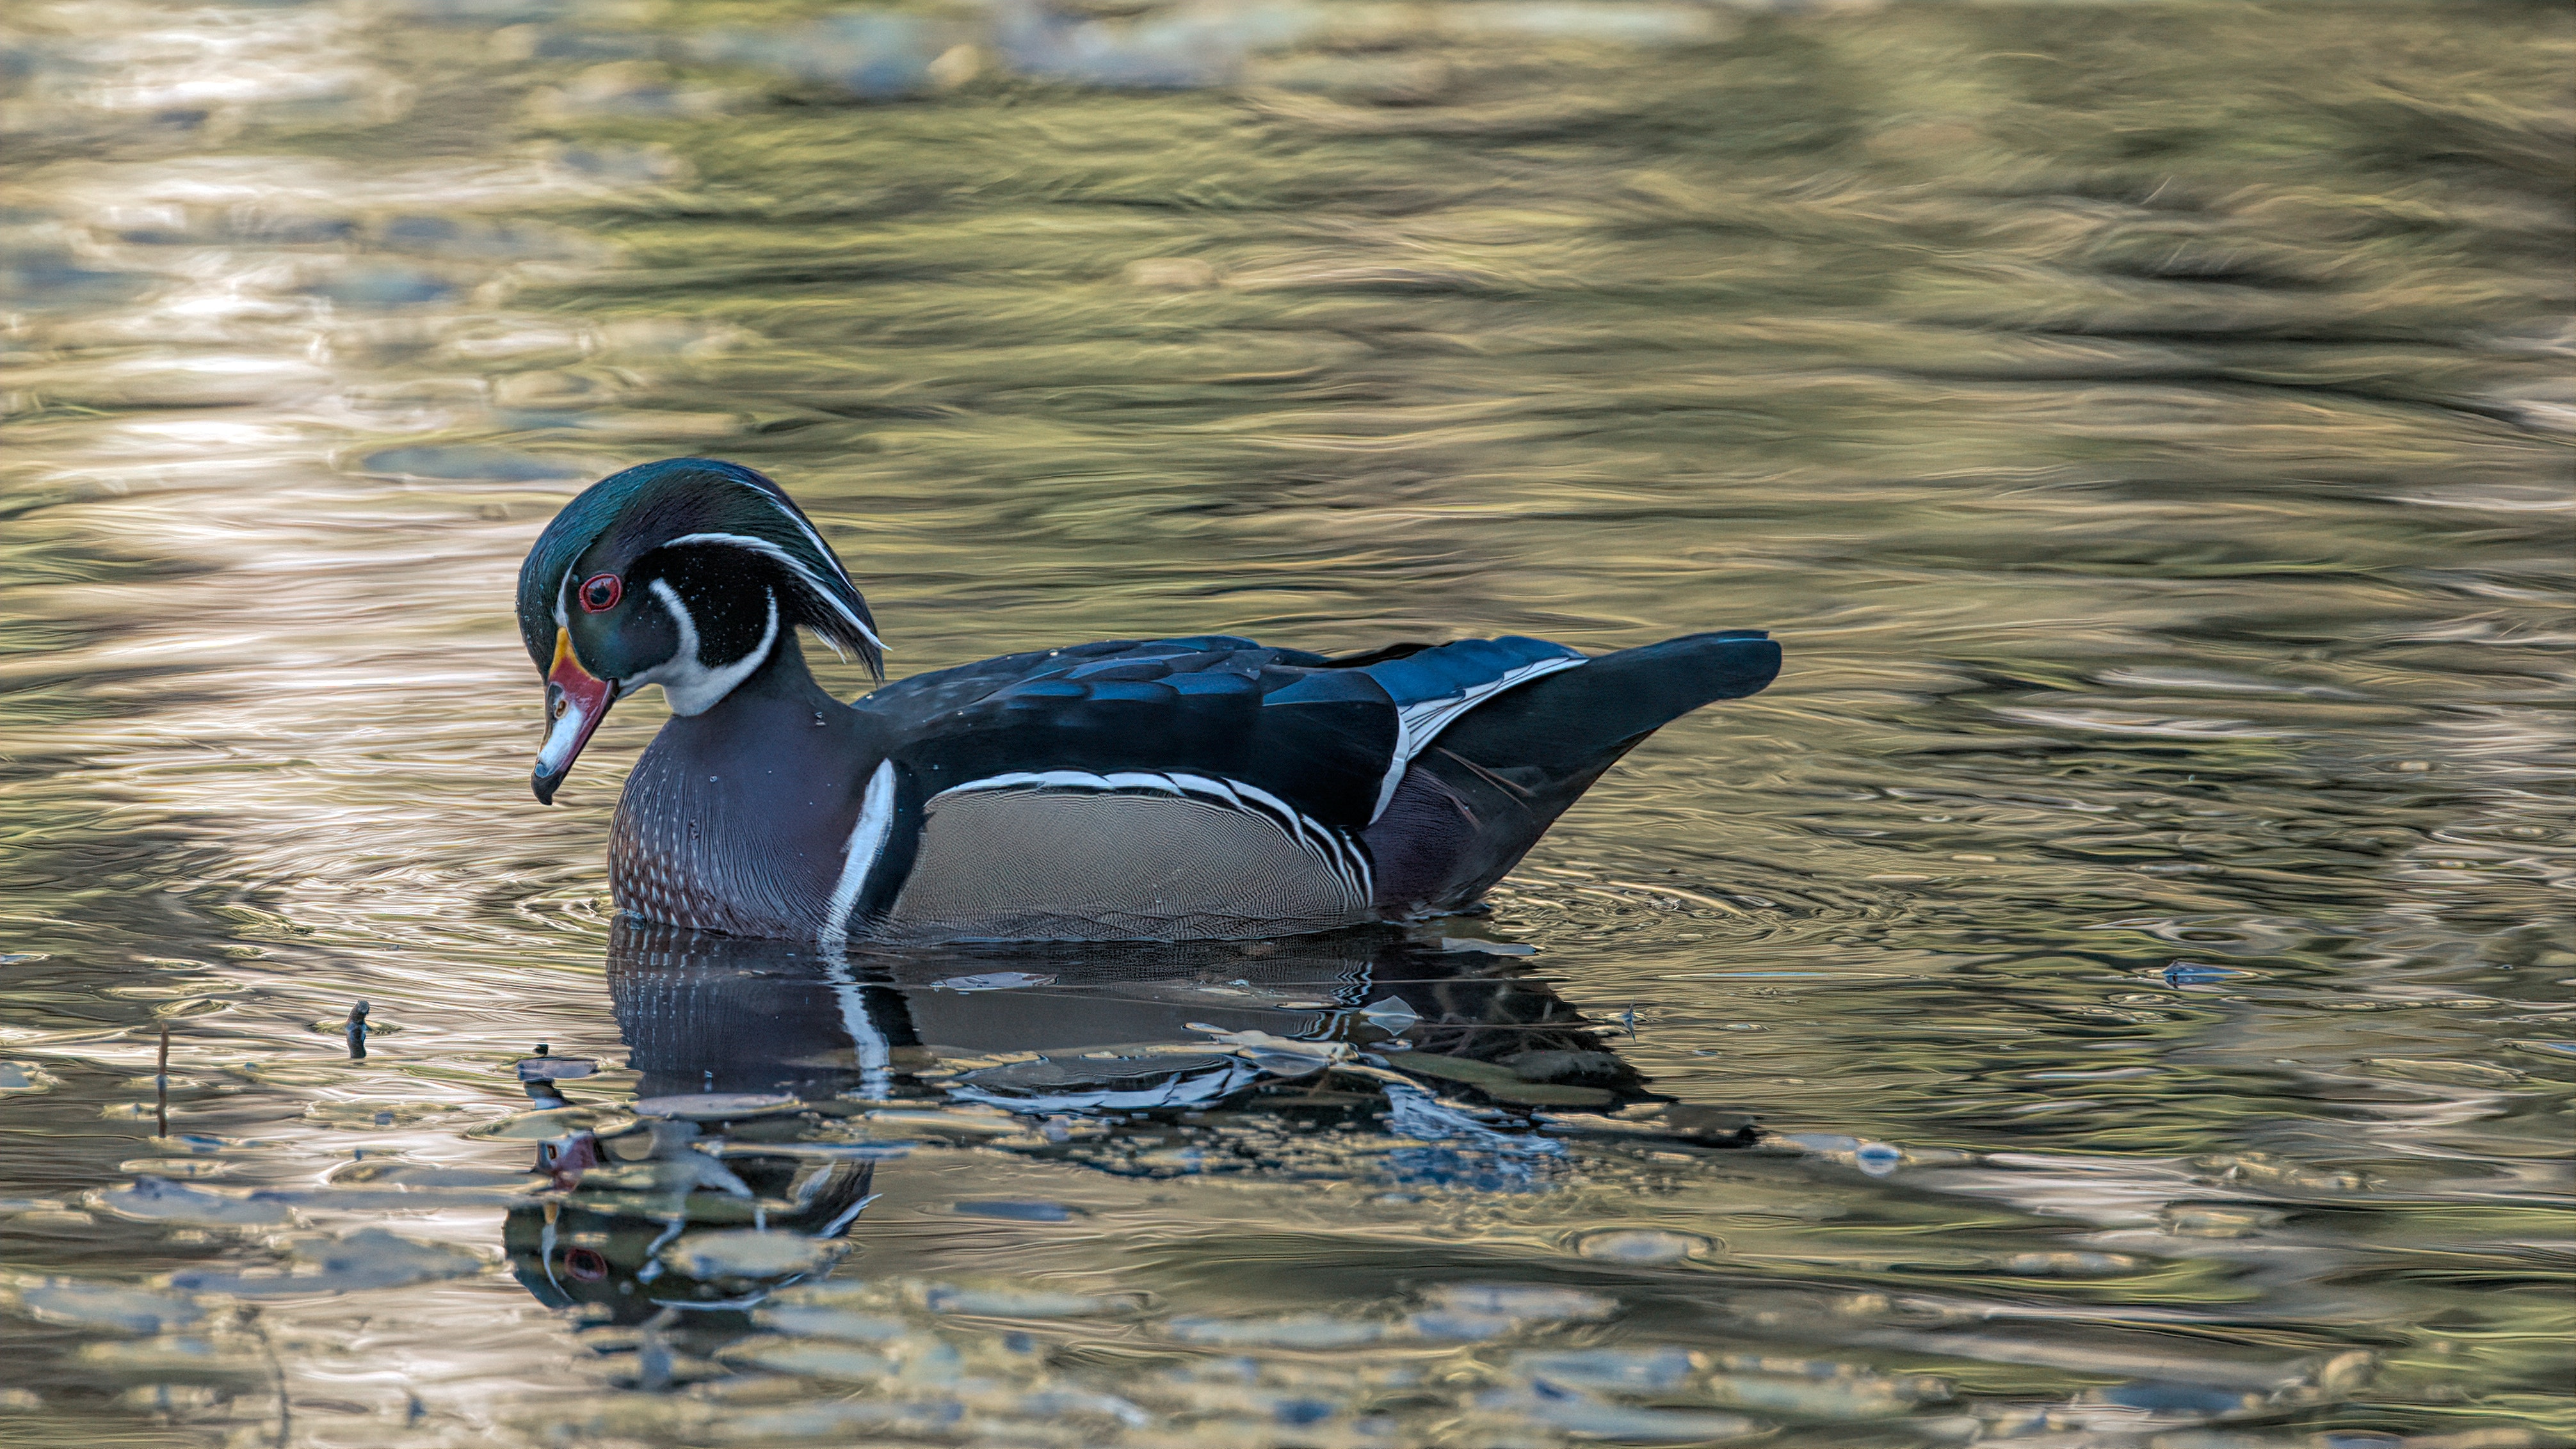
[1489, 786]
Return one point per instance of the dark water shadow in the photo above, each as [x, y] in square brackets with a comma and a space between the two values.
[775, 1085]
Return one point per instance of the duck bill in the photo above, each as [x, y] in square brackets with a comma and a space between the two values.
[576, 702]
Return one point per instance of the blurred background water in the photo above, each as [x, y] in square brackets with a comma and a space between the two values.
[2139, 915]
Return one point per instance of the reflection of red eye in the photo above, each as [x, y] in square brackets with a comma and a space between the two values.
[585, 1264]
[599, 593]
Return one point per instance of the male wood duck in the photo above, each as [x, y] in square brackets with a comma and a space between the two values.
[1133, 789]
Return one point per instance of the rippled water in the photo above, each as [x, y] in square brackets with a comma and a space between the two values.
[2138, 918]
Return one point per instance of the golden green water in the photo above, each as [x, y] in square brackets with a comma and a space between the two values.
[2139, 914]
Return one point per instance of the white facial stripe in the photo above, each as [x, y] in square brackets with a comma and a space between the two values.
[686, 681]
[867, 842]
[682, 620]
[821, 549]
[768, 549]
[557, 753]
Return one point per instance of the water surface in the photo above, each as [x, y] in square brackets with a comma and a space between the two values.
[2138, 918]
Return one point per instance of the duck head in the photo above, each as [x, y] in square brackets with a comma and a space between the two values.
[684, 573]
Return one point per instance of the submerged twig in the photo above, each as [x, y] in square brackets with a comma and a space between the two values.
[248, 1317]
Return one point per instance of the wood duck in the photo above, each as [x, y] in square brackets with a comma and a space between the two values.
[1131, 789]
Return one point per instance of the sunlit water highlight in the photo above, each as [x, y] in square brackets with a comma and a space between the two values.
[2138, 918]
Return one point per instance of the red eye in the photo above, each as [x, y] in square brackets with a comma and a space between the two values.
[600, 592]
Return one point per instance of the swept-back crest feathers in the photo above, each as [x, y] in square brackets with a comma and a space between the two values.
[697, 501]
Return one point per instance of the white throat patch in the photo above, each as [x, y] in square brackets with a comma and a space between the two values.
[686, 681]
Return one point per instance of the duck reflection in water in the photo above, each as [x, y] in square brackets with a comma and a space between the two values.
[774, 1082]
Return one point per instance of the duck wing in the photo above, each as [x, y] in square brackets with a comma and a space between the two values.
[1207, 786]
[1330, 736]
